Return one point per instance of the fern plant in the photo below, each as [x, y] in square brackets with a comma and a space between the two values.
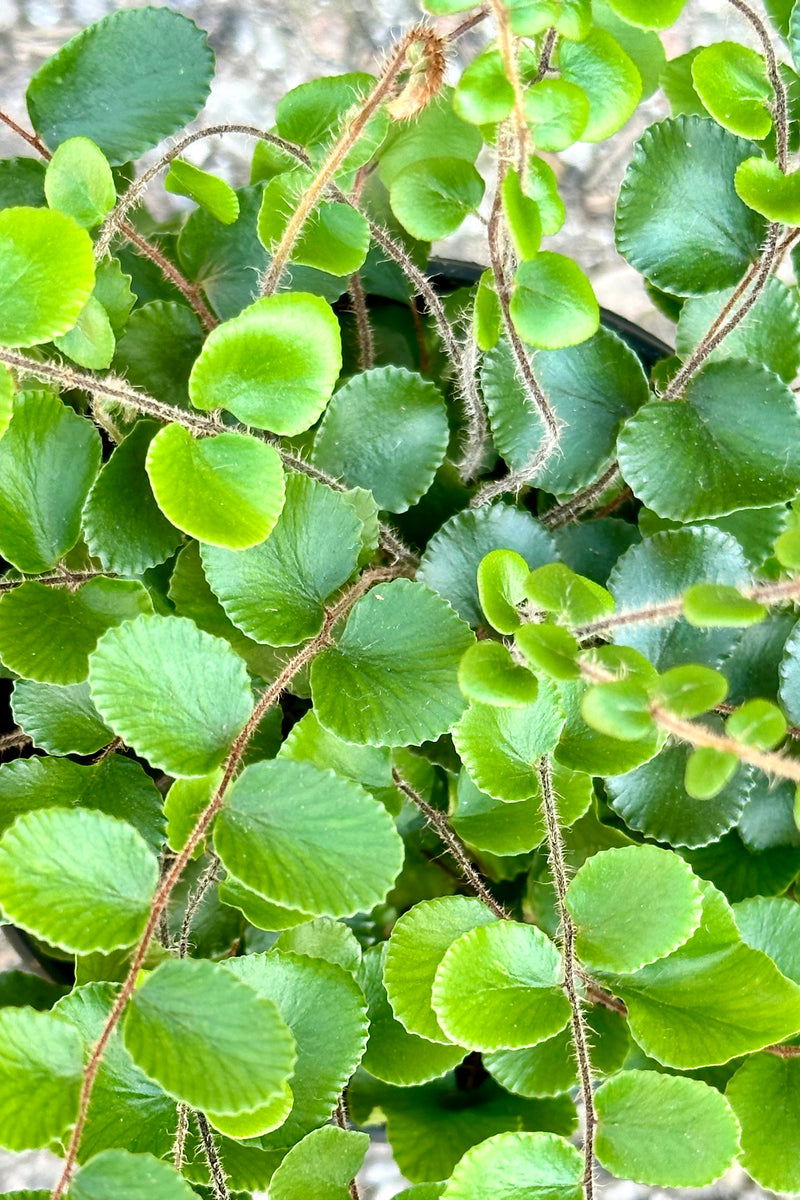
[406, 683]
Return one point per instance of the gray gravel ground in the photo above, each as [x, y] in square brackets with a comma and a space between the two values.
[263, 48]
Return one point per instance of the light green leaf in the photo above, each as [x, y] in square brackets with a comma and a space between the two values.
[316, 112]
[452, 557]
[320, 1165]
[306, 839]
[42, 1047]
[591, 387]
[632, 905]
[500, 747]
[90, 343]
[618, 710]
[503, 828]
[48, 460]
[557, 113]
[644, 48]
[417, 945]
[557, 589]
[550, 1069]
[273, 366]
[536, 1166]
[571, 18]
[483, 95]
[502, 576]
[98, 901]
[731, 80]
[324, 938]
[608, 79]
[176, 695]
[78, 182]
[649, 14]
[768, 333]
[432, 196]
[499, 987]
[47, 273]
[227, 490]
[662, 1129]
[48, 633]
[691, 690]
[522, 217]
[765, 189]
[679, 220]
[392, 678]
[123, 525]
[435, 127]
[542, 186]
[136, 1176]
[326, 1013]
[370, 766]
[207, 1038]
[114, 785]
[690, 1009]
[8, 389]
[550, 649]
[488, 674]
[81, 90]
[765, 1095]
[553, 304]
[393, 1054]
[385, 430]
[730, 445]
[60, 720]
[583, 748]
[209, 191]
[334, 237]
[258, 911]
[708, 605]
[276, 592]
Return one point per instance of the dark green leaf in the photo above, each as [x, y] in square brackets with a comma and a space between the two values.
[158, 349]
[60, 720]
[768, 333]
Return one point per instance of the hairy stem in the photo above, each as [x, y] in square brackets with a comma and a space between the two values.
[581, 502]
[366, 339]
[36, 143]
[168, 269]
[181, 1133]
[341, 1117]
[14, 741]
[439, 822]
[61, 579]
[780, 107]
[508, 53]
[572, 971]
[206, 880]
[701, 736]
[204, 821]
[215, 1169]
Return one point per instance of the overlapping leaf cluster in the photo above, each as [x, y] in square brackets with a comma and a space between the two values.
[405, 696]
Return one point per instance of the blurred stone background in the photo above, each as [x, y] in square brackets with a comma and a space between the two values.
[266, 47]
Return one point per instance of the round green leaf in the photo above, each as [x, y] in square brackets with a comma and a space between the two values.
[158, 348]
[325, 938]
[79, 182]
[553, 304]
[691, 690]
[591, 387]
[227, 490]
[276, 592]
[175, 694]
[83, 90]
[499, 987]
[334, 237]
[450, 563]
[488, 674]
[47, 274]
[60, 720]
[273, 366]
[385, 430]
[321, 1165]
[502, 576]
[500, 747]
[209, 191]
[769, 333]
[608, 79]
[619, 710]
[483, 95]
[757, 723]
[583, 748]
[765, 1096]
[708, 605]
[649, 14]
[518, 1166]
[432, 196]
[679, 219]
[48, 633]
[307, 839]
[555, 588]
[123, 525]
[437, 126]
[557, 113]
[730, 445]
[90, 343]
[392, 678]
[418, 944]
[662, 1129]
[315, 113]
[632, 905]
[136, 1176]
[644, 48]
[551, 649]
[502, 828]
[764, 188]
[208, 1038]
[732, 82]
[393, 1054]
[326, 1013]
[97, 901]
[542, 186]
[37, 1046]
